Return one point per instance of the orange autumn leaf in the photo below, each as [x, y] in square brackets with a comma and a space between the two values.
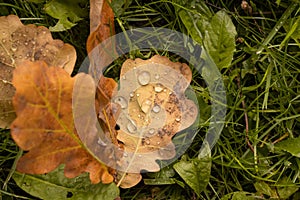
[20, 42]
[101, 23]
[44, 125]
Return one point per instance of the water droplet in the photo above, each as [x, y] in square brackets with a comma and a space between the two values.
[140, 155]
[137, 94]
[125, 154]
[147, 141]
[146, 105]
[3, 40]
[33, 42]
[144, 78]
[158, 87]
[131, 127]
[165, 90]
[156, 76]
[24, 35]
[151, 131]
[14, 47]
[156, 108]
[124, 77]
[131, 94]
[20, 57]
[44, 32]
[158, 143]
[177, 119]
[100, 142]
[26, 43]
[121, 101]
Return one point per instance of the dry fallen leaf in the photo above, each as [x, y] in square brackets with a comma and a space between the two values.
[44, 125]
[18, 43]
[153, 109]
[101, 28]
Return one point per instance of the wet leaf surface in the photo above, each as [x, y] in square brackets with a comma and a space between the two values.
[19, 43]
[153, 109]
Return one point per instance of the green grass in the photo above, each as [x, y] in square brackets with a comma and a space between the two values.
[263, 96]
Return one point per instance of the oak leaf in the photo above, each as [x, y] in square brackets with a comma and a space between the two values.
[44, 125]
[153, 109]
[101, 28]
[19, 43]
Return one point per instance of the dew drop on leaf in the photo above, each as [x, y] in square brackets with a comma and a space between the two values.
[151, 131]
[144, 78]
[131, 127]
[156, 108]
[158, 88]
[156, 76]
[146, 105]
[121, 101]
[100, 142]
[14, 47]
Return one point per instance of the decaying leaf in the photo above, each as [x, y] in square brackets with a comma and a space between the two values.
[153, 109]
[18, 43]
[101, 28]
[44, 125]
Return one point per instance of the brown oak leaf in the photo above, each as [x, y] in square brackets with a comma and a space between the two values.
[44, 125]
[101, 28]
[20, 42]
[153, 109]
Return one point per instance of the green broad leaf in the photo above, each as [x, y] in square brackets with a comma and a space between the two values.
[163, 177]
[195, 172]
[219, 39]
[68, 12]
[61, 25]
[195, 16]
[263, 188]
[239, 196]
[56, 186]
[286, 188]
[291, 145]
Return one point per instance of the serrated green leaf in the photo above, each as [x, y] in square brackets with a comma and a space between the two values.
[239, 196]
[195, 16]
[195, 172]
[56, 186]
[291, 145]
[68, 12]
[219, 39]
